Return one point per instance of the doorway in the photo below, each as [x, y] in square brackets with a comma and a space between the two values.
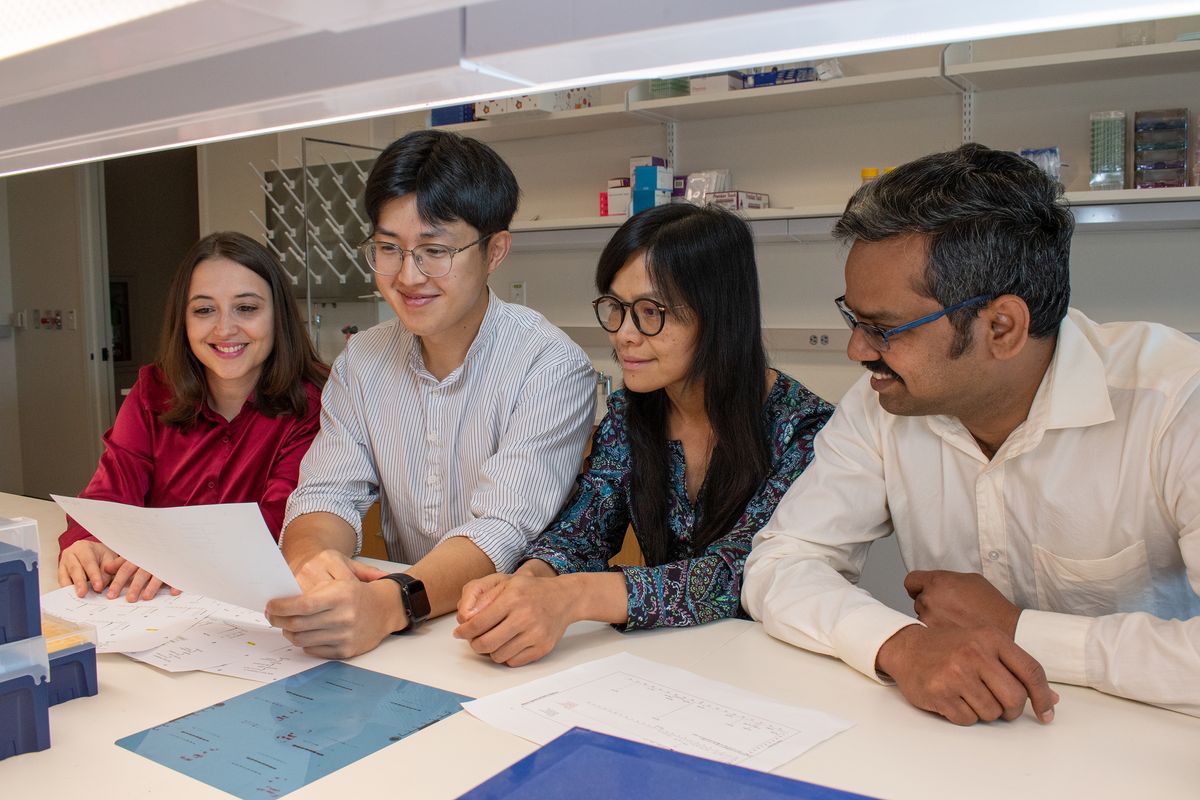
[151, 219]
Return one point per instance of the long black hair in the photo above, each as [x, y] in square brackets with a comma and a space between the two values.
[701, 260]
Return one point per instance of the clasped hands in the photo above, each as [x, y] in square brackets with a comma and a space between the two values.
[964, 663]
[516, 619]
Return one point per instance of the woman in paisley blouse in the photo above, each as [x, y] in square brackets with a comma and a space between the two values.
[696, 450]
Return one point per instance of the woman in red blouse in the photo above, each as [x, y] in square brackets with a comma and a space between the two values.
[224, 415]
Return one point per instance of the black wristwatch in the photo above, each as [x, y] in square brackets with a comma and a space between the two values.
[413, 598]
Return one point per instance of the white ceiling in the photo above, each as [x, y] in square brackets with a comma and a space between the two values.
[213, 69]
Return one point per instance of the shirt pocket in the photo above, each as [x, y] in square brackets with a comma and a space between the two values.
[1093, 587]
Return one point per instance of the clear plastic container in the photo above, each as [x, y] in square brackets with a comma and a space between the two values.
[1108, 150]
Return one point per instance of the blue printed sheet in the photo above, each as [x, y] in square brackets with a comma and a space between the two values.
[284, 735]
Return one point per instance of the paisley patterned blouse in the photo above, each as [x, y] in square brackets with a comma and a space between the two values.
[688, 589]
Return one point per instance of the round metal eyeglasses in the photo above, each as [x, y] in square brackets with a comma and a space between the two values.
[649, 316]
[432, 260]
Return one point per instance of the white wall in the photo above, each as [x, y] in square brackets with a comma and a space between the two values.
[45, 243]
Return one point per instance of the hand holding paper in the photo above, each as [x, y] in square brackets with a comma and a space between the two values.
[221, 551]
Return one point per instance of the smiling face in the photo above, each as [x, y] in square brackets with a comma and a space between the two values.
[436, 309]
[230, 325]
[655, 362]
[918, 373]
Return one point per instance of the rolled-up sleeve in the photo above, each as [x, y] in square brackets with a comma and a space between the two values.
[523, 484]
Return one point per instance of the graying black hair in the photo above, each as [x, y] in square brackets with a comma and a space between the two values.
[993, 222]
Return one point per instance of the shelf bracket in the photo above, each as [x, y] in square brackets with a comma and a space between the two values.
[968, 116]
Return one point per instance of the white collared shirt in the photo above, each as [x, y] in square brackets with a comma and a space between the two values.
[1088, 517]
[490, 452]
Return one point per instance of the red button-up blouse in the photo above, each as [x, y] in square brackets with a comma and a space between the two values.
[249, 459]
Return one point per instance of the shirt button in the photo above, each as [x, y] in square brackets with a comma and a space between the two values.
[993, 555]
[431, 480]
[211, 484]
[431, 437]
[225, 440]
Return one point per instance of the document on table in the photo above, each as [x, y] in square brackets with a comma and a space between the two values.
[220, 551]
[185, 632]
[277, 738]
[645, 701]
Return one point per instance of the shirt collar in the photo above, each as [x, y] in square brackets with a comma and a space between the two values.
[1074, 390]
[1073, 393]
[487, 329]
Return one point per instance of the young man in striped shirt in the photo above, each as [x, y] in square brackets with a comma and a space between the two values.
[465, 417]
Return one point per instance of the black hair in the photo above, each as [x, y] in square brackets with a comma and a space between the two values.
[993, 222]
[701, 261]
[452, 177]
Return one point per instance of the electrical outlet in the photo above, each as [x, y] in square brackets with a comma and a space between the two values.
[833, 340]
[516, 292]
[37, 319]
[818, 340]
[72, 320]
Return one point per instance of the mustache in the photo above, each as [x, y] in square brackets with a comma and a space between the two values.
[880, 368]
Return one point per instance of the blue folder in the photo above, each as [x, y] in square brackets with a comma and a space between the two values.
[289, 733]
[582, 765]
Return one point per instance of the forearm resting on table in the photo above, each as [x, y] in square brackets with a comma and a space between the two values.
[310, 534]
[600, 596]
[447, 568]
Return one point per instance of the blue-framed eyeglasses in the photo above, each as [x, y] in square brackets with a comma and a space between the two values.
[878, 338]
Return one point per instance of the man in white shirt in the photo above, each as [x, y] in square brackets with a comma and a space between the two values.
[466, 417]
[1039, 470]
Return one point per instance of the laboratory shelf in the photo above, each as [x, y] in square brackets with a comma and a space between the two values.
[881, 87]
[1079, 66]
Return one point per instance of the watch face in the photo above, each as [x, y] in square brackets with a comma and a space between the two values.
[418, 600]
[412, 593]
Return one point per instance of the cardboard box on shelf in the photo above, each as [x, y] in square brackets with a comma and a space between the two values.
[738, 200]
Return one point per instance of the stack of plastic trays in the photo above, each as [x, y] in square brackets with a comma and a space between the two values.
[24, 665]
[1160, 148]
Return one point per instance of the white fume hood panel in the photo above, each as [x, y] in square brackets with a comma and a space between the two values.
[568, 43]
[319, 77]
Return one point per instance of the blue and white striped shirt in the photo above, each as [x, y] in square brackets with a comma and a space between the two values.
[490, 452]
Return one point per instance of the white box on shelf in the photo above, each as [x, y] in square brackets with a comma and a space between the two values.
[618, 201]
[712, 84]
[490, 108]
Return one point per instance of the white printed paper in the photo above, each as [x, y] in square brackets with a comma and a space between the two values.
[124, 627]
[645, 701]
[220, 551]
[184, 632]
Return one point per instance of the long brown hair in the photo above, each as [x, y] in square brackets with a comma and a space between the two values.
[293, 359]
